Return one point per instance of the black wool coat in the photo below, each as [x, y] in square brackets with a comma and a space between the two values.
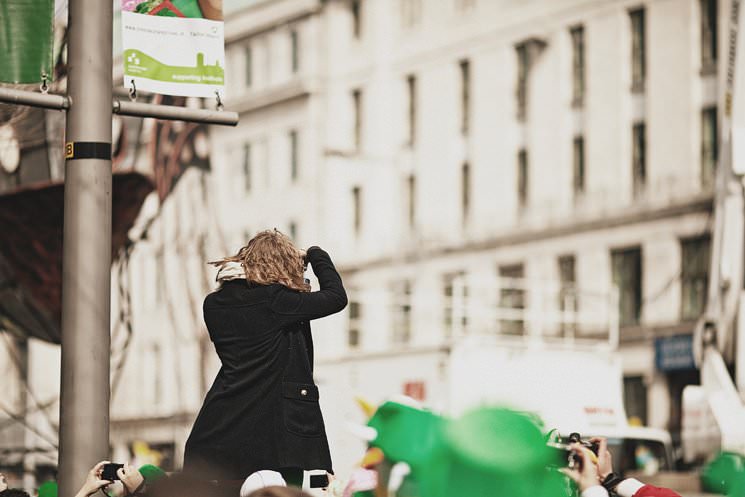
[262, 410]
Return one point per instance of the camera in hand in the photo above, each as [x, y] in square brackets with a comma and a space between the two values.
[109, 471]
[566, 456]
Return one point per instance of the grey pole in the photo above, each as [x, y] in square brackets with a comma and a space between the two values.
[86, 266]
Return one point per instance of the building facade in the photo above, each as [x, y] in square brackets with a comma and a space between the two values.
[457, 158]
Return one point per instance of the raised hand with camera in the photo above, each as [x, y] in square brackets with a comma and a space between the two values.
[585, 475]
[597, 479]
[94, 481]
[131, 478]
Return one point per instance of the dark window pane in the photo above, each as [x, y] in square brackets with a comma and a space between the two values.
[579, 165]
[578, 65]
[695, 253]
[511, 298]
[638, 49]
[639, 157]
[627, 277]
[709, 146]
[522, 177]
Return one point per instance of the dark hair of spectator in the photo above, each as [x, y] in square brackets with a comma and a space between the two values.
[14, 492]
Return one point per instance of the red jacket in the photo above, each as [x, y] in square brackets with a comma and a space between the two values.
[631, 487]
[650, 491]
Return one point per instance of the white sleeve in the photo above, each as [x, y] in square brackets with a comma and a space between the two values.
[595, 491]
[628, 487]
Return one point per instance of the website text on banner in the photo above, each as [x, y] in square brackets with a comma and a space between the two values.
[174, 47]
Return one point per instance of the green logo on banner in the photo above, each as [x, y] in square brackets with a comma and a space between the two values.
[139, 64]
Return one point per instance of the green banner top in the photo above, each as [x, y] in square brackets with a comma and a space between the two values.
[26, 40]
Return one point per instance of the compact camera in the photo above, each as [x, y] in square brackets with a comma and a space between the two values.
[567, 456]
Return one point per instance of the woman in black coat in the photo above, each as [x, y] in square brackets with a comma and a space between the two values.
[262, 410]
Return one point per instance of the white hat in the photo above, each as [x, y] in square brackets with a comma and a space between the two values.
[261, 479]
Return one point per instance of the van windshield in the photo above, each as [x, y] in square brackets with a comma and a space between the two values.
[638, 455]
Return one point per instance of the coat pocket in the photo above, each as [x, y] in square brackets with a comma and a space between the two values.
[301, 410]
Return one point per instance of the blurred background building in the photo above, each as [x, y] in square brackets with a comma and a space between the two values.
[457, 158]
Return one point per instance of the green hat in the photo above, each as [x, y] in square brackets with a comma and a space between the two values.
[48, 489]
[151, 473]
[492, 451]
[725, 474]
[405, 433]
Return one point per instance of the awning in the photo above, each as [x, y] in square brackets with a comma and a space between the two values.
[31, 250]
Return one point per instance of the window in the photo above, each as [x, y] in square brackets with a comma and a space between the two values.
[455, 293]
[293, 231]
[638, 50]
[402, 312]
[357, 110]
[411, 12]
[354, 326]
[411, 92]
[694, 270]
[639, 157]
[578, 160]
[465, 95]
[567, 293]
[247, 167]
[248, 75]
[709, 146]
[522, 178]
[522, 80]
[511, 299]
[294, 166]
[294, 51]
[357, 209]
[411, 196]
[355, 6]
[627, 277]
[635, 398]
[465, 185]
[578, 65]
[709, 35]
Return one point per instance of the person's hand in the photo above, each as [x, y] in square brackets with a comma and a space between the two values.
[3, 482]
[131, 478]
[605, 459]
[587, 476]
[94, 482]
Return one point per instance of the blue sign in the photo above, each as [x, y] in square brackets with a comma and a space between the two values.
[674, 353]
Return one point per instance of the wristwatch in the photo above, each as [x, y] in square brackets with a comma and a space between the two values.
[611, 481]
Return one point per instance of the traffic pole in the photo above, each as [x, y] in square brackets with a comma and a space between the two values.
[86, 266]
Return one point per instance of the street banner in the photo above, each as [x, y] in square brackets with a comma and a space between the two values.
[26, 40]
[174, 47]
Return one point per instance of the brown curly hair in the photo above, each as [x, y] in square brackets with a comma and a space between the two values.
[269, 257]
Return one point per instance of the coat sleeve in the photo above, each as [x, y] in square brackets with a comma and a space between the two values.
[631, 487]
[331, 298]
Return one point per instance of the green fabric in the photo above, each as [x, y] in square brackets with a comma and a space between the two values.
[48, 489]
[486, 452]
[26, 40]
[725, 475]
[151, 473]
[405, 433]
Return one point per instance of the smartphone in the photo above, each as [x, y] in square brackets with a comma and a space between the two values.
[109, 471]
[319, 481]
